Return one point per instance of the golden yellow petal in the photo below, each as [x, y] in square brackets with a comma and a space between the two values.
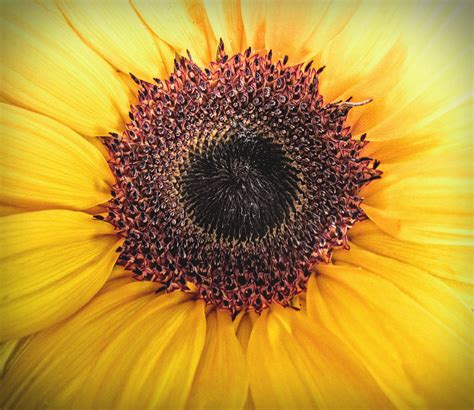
[183, 24]
[158, 351]
[53, 365]
[118, 34]
[425, 194]
[416, 357]
[9, 210]
[221, 379]
[356, 58]
[388, 53]
[97, 143]
[464, 291]
[442, 147]
[119, 272]
[452, 264]
[244, 327]
[429, 292]
[427, 87]
[225, 19]
[7, 353]
[447, 135]
[299, 29]
[47, 68]
[45, 164]
[52, 263]
[294, 363]
[423, 209]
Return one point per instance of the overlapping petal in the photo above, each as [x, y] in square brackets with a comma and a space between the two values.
[52, 263]
[221, 379]
[296, 363]
[54, 364]
[182, 24]
[44, 164]
[425, 194]
[406, 330]
[153, 359]
[118, 34]
[299, 29]
[416, 283]
[48, 69]
[388, 54]
[425, 210]
[450, 264]
[226, 21]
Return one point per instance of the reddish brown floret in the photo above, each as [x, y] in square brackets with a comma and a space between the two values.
[236, 178]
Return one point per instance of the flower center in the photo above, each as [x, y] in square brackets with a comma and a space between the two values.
[236, 179]
[239, 187]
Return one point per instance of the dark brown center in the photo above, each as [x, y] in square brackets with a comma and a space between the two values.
[240, 187]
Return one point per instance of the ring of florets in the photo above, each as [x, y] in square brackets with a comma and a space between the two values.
[235, 180]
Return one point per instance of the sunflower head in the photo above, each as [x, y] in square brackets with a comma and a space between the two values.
[228, 241]
[235, 178]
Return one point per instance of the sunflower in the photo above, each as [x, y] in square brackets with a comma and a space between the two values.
[236, 204]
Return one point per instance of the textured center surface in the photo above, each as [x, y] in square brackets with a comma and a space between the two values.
[239, 187]
[235, 180]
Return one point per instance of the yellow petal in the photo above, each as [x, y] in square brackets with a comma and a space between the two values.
[221, 378]
[294, 363]
[430, 137]
[118, 34]
[243, 328]
[423, 209]
[429, 292]
[183, 24]
[463, 290]
[48, 69]
[440, 149]
[52, 263]
[97, 143]
[53, 365]
[388, 53]
[427, 86]
[8, 351]
[119, 272]
[298, 29]
[225, 19]
[249, 403]
[9, 210]
[416, 358]
[425, 194]
[452, 264]
[158, 354]
[44, 164]
[359, 54]
[329, 18]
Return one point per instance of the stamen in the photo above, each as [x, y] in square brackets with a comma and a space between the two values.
[355, 104]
